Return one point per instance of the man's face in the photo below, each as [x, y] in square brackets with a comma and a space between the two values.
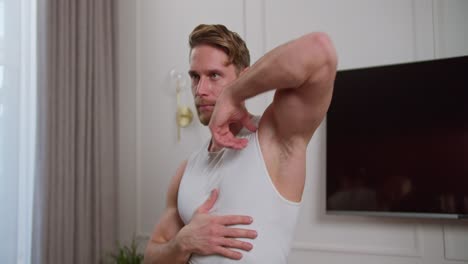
[210, 75]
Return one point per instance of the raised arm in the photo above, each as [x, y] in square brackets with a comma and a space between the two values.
[302, 72]
[172, 242]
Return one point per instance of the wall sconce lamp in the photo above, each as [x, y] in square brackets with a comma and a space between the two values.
[184, 114]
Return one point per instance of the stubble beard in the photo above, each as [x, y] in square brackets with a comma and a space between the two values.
[204, 119]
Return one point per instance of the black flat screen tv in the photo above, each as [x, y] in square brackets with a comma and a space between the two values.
[397, 140]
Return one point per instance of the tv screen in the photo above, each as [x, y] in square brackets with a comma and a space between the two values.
[397, 140]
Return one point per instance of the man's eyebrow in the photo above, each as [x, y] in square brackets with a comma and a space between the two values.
[215, 71]
[210, 71]
[191, 72]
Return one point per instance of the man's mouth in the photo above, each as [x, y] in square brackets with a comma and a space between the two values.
[205, 107]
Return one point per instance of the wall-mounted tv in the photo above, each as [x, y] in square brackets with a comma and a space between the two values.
[397, 140]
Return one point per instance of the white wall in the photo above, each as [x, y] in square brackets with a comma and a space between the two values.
[153, 40]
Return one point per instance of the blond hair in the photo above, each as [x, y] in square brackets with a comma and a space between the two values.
[221, 37]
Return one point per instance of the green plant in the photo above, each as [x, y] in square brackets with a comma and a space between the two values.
[127, 254]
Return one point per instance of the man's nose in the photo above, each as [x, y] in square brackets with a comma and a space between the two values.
[202, 87]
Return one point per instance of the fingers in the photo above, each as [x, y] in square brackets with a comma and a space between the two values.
[208, 204]
[230, 141]
[234, 220]
[228, 220]
[237, 244]
[224, 137]
[226, 246]
[240, 233]
[228, 253]
[248, 123]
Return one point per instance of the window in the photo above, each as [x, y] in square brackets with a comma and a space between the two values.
[17, 127]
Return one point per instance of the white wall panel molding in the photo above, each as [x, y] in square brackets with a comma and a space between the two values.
[365, 33]
[423, 30]
[450, 28]
[138, 117]
[254, 25]
[438, 24]
[456, 241]
[364, 250]
[416, 249]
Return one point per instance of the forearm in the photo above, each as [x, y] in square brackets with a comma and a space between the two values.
[162, 253]
[288, 66]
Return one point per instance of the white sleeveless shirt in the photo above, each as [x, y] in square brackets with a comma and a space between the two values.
[245, 188]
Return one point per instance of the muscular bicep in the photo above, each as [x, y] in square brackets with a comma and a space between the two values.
[170, 222]
[298, 111]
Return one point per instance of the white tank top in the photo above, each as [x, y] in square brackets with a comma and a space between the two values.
[245, 188]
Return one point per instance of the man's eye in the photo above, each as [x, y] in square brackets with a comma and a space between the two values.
[194, 78]
[215, 76]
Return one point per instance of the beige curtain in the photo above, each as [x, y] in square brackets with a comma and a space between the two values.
[77, 189]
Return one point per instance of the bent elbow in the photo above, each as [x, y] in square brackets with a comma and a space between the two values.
[321, 49]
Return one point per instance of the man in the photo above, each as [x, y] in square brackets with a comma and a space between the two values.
[236, 200]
